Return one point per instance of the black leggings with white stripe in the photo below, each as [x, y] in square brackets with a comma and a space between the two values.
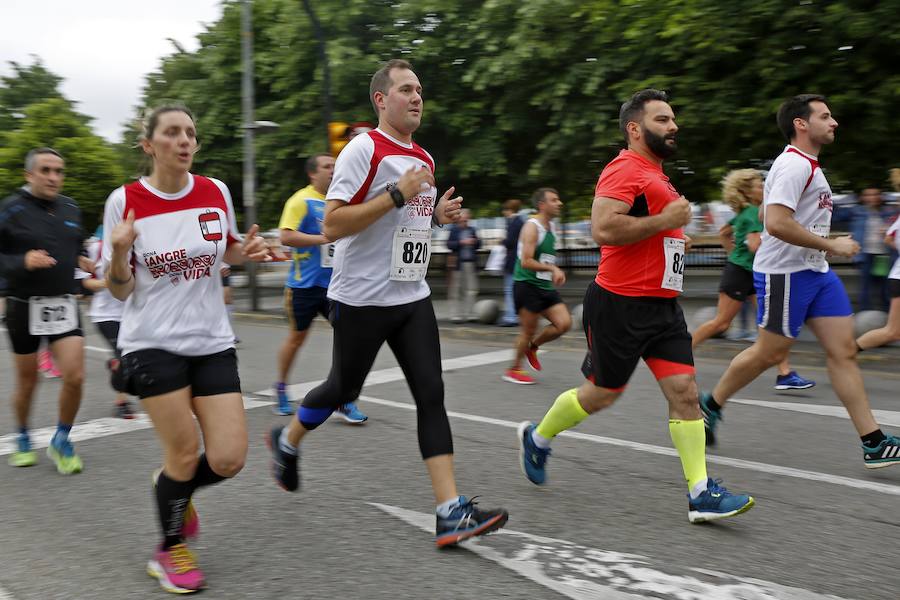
[412, 334]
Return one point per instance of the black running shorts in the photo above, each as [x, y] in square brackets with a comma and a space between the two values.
[154, 372]
[533, 298]
[620, 330]
[894, 288]
[736, 282]
[17, 327]
[303, 304]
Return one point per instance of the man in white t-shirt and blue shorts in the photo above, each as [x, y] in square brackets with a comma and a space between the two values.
[380, 208]
[794, 283]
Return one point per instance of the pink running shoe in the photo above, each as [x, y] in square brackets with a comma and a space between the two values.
[46, 366]
[190, 527]
[518, 376]
[176, 569]
[531, 356]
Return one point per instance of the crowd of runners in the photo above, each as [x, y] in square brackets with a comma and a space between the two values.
[360, 235]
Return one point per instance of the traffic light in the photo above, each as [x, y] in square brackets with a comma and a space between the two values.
[338, 137]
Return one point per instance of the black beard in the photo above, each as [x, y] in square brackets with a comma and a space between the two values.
[658, 145]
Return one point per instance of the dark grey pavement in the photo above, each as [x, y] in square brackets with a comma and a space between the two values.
[611, 522]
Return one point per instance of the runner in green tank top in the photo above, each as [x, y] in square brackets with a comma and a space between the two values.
[534, 280]
[743, 191]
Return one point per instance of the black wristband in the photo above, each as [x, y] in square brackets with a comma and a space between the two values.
[397, 197]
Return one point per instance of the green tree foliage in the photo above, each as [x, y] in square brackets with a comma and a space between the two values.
[92, 167]
[525, 93]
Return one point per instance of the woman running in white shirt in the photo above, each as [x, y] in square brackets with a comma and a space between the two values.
[167, 236]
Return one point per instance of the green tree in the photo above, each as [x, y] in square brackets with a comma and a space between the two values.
[524, 93]
[92, 167]
[26, 85]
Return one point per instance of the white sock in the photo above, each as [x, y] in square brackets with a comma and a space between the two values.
[444, 510]
[539, 440]
[285, 446]
[699, 488]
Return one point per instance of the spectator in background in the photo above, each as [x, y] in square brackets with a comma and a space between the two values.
[868, 226]
[514, 223]
[463, 243]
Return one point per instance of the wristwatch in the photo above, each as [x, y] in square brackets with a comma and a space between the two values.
[397, 197]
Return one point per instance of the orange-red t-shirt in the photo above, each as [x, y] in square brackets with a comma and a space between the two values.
[642, 268]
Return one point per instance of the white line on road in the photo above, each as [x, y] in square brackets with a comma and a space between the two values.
[4, 595]
[584, 573]
[884, 417]
[861, 484]
[392, 374]
[40, 438]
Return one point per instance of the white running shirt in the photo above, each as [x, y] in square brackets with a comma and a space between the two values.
[894, 232]
[104, 307]
[177, 302]
[796, 181]
[368, 166]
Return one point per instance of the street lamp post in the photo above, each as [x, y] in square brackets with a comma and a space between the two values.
[249, 127]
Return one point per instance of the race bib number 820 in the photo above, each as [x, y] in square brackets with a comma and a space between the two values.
[411, 250]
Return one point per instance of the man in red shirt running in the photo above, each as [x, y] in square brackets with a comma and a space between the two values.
[631, 309]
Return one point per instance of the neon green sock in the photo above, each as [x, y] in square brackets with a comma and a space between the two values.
[690, 441]
[565, 413]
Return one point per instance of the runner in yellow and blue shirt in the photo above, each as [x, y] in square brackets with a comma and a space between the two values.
[307, 282]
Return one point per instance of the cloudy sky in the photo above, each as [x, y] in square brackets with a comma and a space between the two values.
[102, 48]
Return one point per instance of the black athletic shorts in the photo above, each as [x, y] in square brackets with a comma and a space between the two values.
[533, 298]
[620, 330]
[154, 372]
[303, 304]
[226, 280]
[894, 288]
[17, 322]
[736, 282]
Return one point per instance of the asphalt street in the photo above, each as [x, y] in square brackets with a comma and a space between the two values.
[611, 523]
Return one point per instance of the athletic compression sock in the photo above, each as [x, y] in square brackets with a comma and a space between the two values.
[565, 413]
[172, 498]
[61, 435]
[690, 442]
[205, 475]
[873, 439]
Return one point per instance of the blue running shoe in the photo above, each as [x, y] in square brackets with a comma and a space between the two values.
[711, 417]
[792, 381]
[466, 521]
[717, 503]
[351, 413]
[285, 467]
[283, 407]
[532, 459]
[885, 454]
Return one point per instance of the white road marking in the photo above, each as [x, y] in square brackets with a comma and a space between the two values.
[4, 595]
[584, 573]
[884, 417]
[396, 373]
[861, 484]
[40, 438]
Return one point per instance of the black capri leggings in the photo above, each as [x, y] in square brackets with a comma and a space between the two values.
[411, 332]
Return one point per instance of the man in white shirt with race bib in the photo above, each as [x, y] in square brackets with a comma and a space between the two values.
[380, 209]
[794, 283]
